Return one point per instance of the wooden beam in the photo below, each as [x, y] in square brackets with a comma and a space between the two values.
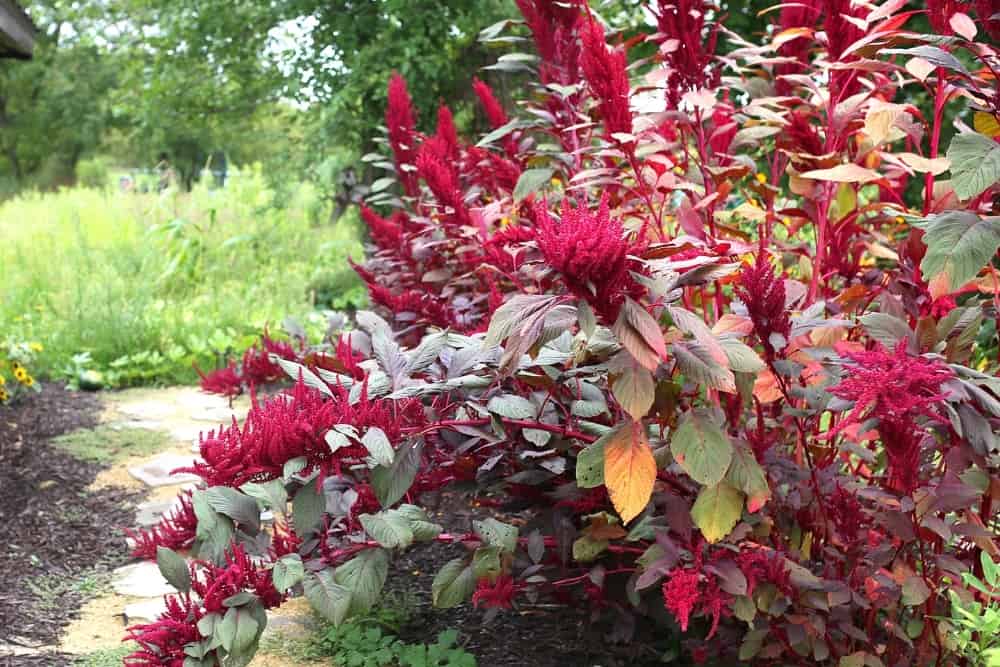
[17, 32]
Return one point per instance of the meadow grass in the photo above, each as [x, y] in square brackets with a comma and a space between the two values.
[147, 284]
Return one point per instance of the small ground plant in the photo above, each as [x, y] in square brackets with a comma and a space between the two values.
[712, 324]
[16, 363]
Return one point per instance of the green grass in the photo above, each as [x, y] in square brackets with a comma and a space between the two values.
[108, 657]
[105, 444]
[50, 589]
[147, 284]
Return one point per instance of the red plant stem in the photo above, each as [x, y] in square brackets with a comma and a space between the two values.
[939, 100]
[586, 575]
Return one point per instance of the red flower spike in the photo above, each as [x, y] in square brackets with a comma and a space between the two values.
[176, 530]
[687, 50]
[498, 594]
[401, 122]
[763, 294]
[222, 381]
[681, 592]
[895, 388]
[492, 108]
[607, 78]
[590, 251]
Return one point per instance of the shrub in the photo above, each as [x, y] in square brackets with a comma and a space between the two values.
[92, 173]
[711, 340]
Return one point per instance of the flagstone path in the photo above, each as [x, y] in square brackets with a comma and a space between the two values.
[136, 594]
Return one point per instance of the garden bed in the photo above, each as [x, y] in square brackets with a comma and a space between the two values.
[56, 549]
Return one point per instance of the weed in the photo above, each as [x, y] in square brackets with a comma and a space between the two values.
[108, 657]
[106, 444]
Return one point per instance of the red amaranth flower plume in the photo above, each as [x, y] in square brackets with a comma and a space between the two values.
[162, 642]
[222, 381]
[498, 594]
[688, 48]
[426, 307]
[292, 425]
[896, 389]
[492, 108]
[763, 294]
[681, 592]
[605, 73]
[493, 173]
[553, 27]
[447, 133]
[401, 123]
[590, 251]
[438, 169]
[176, 530]
[386, 233]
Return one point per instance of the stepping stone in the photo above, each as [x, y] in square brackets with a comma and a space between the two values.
[152, 410]
[148, 424]
[216, 415]
[149, 513]
[156, 472]
[187, 432]
[147, 610]
[200, 401]
[140, 580]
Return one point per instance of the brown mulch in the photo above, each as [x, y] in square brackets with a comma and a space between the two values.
[56, 534]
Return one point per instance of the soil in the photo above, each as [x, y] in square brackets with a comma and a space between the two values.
[535, 635]
[57, 533]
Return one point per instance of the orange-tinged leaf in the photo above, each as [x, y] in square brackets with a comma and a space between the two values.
[640, 334]
[629, 471]
[963, 25]
[765, 388]
[843, 173]
[733, 323]
[986, 123]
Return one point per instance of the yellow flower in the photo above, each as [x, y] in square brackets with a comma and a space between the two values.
[36, 347]
[15, 365]
[20, 374]
[3, 395]
[761, 177]
[29, 381]
[3, 380]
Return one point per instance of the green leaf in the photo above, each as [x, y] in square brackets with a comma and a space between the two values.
[308, 506]
[378, 446]
[531, 181]
[238, 506]
[512, 407]
[590, 463]
[364, 575]
[717, 510]
[959, 244]
[271, 494]
[390, 529]
[634, 389]
[696, 363]
[453, 584]
[391, 483]
[287, 572]
[975, 164]
[746, 475]
[497, 533]
[239, 630]
[174, 569]
[486, 562]
[587, 549]
[701, 448]
[326, 596]
[886, 329]
[742, 357]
